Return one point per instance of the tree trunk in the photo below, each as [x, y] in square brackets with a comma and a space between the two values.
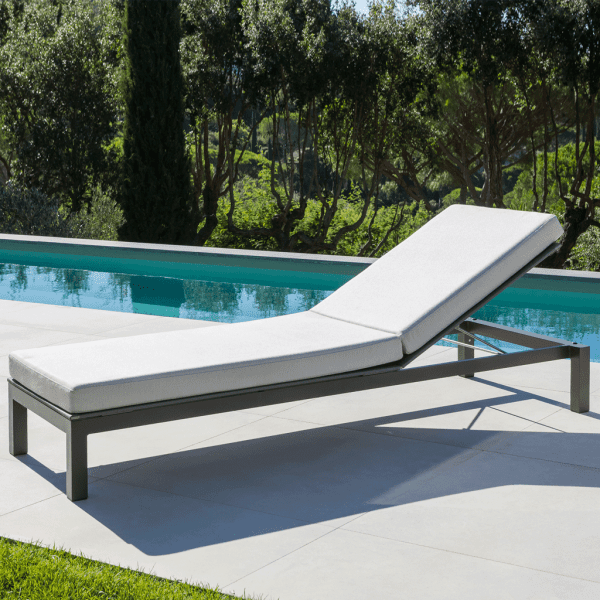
[492, 163]
[211, 202]
[576, 223]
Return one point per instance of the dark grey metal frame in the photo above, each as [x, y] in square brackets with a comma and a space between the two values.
[79, 426]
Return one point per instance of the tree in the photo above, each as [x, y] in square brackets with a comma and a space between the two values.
[58, 105]
[567, 35]
[221, 98]
[155, 191]
[338, 88]
[482, 48]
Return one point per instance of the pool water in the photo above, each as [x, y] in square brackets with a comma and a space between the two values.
[230, 295]
[572, 316]
[223, 301]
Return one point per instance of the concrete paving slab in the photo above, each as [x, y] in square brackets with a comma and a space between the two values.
[345, 564]
[10, 306]
[504, 508]
[558, 438]
[173, 536]
[25, 482]
[555, 375]
[468, 413]
[18, 337]
[3, 397]
[562, 400]
[317, 475]
[72, 319]
[250, 500]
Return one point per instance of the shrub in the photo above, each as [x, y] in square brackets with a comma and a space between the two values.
[255, 206]
[30, 212]
[100, 221]
[586, 254]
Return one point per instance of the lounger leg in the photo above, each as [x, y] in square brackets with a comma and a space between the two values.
[466, 353]
[580, 379]
[77, 476]
[17, 435]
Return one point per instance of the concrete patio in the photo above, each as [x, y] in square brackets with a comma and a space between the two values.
[487, 488]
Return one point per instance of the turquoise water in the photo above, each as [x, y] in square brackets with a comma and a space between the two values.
[232, 294]
[572, 316]
[236, 297]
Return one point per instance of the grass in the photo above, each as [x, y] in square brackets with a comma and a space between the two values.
[31, 572]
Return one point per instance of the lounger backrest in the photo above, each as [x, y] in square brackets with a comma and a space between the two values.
[449, 265]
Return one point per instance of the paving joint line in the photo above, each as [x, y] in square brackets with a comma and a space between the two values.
[203, 499]
[10, 512]
[475, 448]
[530, 421]
[156, 458]
[293, 551]
[501, 562]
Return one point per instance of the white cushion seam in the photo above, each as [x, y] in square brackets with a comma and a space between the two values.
[395, 334]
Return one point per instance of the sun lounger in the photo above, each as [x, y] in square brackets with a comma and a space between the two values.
[361, 337]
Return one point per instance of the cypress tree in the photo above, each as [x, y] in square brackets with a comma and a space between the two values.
[155, 192]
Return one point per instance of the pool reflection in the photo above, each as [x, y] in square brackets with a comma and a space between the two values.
[161, 296]
[567, 315]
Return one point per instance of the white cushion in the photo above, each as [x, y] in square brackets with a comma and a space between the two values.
[392, 308]
[118, 372]
[454, 261]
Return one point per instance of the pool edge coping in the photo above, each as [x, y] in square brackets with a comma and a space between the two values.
[137, 247]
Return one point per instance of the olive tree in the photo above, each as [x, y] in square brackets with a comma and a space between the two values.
[31, 212]
[484, 123]
[338, 88]
[566, 33]
[222, 100]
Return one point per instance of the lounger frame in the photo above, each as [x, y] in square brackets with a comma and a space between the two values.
[79, 426]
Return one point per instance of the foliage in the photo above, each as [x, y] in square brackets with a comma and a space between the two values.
[586, 254]
[310, 126]
[155, 191]
[100, 221]
[566, 35]
[492, 93]
[221, 98]
[454, 197]
[382, 229]
[564, 165]
[58, 99]
[36, 573]
[30, 212]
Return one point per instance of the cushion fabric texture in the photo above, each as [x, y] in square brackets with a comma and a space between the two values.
[392, 308]
[116, 372]
[453, 262]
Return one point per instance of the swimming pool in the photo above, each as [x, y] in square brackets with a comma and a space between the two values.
[205, 284]
[230, 286]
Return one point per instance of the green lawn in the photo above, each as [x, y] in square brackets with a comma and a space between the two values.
[30, 572]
